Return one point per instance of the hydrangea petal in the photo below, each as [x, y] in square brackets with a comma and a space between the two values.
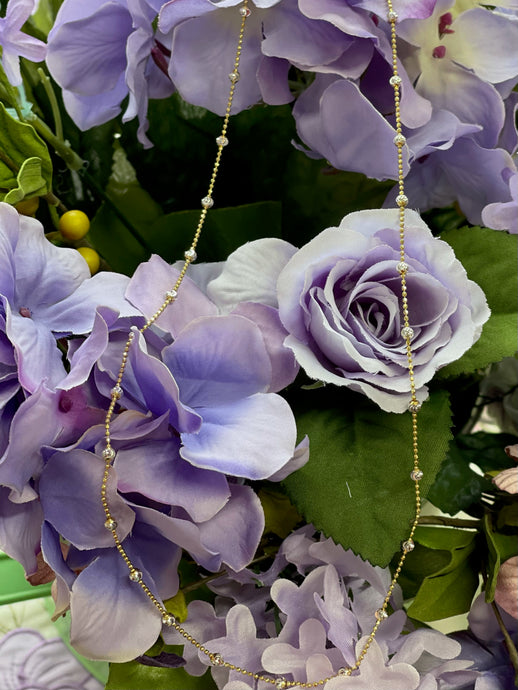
[218, 360]
[104, 599]
[69, 494]
[251, 438]
[100, 37]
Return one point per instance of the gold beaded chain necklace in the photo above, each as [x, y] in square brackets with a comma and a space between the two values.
[108, 453]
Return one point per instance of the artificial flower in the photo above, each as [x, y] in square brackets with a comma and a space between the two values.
[338, 299]
[15, 43]
[99, 52]
[46, 293]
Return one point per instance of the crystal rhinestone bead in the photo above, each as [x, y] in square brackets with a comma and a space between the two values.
[207, 202]
[381, 614]
[217, 659]
[168, 619]
[342, 671]
[135, 576]
[171, 294]
[234, 76]
[244, 12]
[414, 406]
[392, 16]
[401, 200]
[281, 684]
[116, 392]
[395, 80]
[190, 255]
[416, 475]
[407, 332]
[108, 453]
[110, 524]
[399, 140]
[402, 267]
[408, 546]
[221, 140]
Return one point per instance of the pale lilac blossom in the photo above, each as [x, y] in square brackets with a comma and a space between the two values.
[99, 52]
[15, 43]
[46, 293]
[29, 661]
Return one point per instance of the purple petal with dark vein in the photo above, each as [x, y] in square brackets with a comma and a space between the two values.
[20, 529]
[156, 470]
[251, 438]
[70, 488]
[218, 361]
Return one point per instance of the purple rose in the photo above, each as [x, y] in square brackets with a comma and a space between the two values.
[340, 296]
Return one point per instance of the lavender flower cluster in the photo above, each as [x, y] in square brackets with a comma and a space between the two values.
[317, 621]
[199, 415]
[457, 78]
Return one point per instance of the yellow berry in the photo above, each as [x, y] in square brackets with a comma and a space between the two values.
[74, 225]
[91, 257]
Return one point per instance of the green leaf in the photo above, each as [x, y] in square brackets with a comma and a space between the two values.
[30, 182]
[19, 142]
[489, 257]
[356, 486]
[449, 590]
[457, 486]
[224, 231]
[135, 676]
[501, 547]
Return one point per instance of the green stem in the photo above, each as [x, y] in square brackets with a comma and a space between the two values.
[73, 161]
[9, 162]
[511, 649]
[47, 85]
[11, 94]
[449, 522]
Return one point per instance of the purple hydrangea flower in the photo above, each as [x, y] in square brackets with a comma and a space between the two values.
[101, 51]
[198, 420]
[46, 292]
[15, 43]
[325, 610]
[28, 660]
